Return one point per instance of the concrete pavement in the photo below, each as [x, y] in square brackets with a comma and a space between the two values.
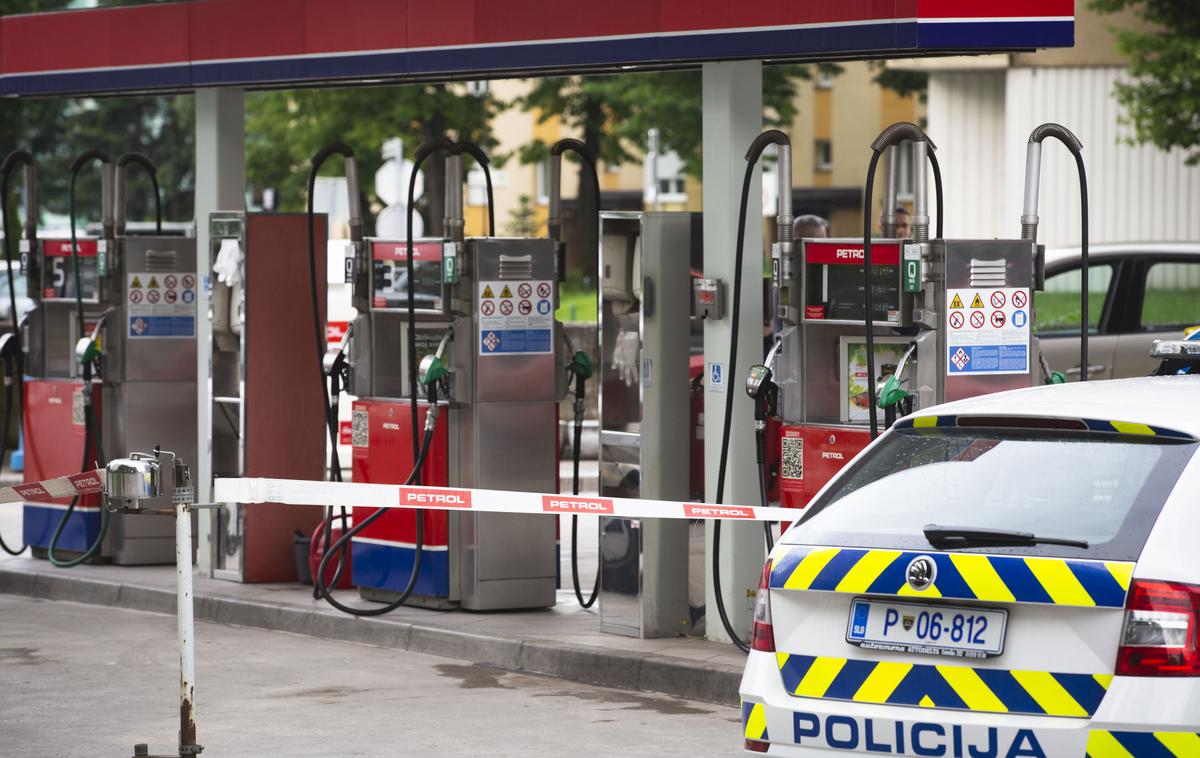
[82, 680]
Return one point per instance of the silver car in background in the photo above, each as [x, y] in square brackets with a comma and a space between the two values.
[1138, 292]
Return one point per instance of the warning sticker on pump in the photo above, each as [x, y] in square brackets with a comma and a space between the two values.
[161, 307]
[993, 338]
[515, 317]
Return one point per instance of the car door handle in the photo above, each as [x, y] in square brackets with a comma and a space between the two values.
[1093, 368]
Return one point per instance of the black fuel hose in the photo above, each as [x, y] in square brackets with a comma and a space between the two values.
[89, 412]
[152, 172]
[414, 477]
[770, 137]
[423, 153]
[420, 448]
[476, 152]
[10, 161]
[331, 425]
[891, 136]
[589, 159]
[1068, 138]
[580, 394]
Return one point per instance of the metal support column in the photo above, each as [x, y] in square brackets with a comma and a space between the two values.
[733, 108]
[220, 185]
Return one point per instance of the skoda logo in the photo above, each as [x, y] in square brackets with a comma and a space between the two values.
[921, 573]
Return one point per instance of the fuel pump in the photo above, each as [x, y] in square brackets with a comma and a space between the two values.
[11, 352]
[483, 307]
[901, 324]
[111, 364]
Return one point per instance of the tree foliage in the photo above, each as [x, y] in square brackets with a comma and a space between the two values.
[285, 128]
[614, 113]
[1162, 97]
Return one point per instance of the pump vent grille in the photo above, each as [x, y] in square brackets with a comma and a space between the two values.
[989, 273]
[160, 260]
[516, 267]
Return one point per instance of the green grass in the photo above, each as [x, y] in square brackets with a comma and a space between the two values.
[576, 302]
[1059, 311]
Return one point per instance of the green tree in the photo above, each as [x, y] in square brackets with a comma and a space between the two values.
[285, 128]
[522, 220]
[1162, 97]
[615, 113]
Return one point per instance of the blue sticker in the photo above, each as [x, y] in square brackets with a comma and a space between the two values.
[543, 307]
[1019, 318]
[988, 359]
[513, 341]
[162, 326]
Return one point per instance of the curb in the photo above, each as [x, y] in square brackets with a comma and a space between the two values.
[713, 683]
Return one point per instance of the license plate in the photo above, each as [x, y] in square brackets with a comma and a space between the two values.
[959, 631]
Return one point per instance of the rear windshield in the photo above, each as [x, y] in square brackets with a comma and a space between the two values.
[1105, 490]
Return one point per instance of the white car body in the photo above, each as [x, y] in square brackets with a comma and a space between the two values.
[1054, 690]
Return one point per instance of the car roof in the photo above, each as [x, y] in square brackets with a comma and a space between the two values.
[1060, 255]
[1170, 402]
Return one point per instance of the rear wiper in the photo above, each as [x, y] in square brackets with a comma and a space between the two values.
[969, 536]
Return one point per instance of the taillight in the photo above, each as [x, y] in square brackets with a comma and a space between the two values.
[1162, 630]
[762, 637]
[755, 746]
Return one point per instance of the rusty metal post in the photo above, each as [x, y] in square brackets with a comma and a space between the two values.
[187, 632]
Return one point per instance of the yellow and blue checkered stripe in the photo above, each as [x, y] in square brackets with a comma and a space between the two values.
[1134, 428]
[754, 721]
[943, 686]
[1113, 744]
[960, 576]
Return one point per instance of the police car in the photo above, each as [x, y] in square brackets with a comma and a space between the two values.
[1011, 575]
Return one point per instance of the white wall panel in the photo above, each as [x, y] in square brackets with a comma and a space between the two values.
[1136, 192]
[966, 122]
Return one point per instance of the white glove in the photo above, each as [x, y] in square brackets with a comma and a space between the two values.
[228, 266]
[625, 357]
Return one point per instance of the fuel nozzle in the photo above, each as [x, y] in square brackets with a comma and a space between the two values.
[763, 390]
[89, 349]
[432, 372]
[10, 353]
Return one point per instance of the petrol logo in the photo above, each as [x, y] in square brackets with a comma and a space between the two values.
[921, 573]
[445, 498]
[562, 504]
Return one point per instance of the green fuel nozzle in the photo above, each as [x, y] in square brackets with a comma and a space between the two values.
[892, 392]
[581, 365]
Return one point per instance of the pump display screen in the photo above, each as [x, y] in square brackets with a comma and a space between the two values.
[389, 275]
[58, 276]
[833, 273]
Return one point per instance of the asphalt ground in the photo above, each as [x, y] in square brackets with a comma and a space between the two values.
[82, 680]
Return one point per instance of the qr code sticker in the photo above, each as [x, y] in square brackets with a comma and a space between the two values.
[793, 457]
[358, 429]
[78, 415]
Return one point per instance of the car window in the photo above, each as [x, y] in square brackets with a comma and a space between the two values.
[1085, 486]
[1172, 296]
[1057, 307]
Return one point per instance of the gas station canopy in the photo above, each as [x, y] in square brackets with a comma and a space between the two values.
[273, 43]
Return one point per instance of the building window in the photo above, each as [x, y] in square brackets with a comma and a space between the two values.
[478, 87]
[824, 155]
